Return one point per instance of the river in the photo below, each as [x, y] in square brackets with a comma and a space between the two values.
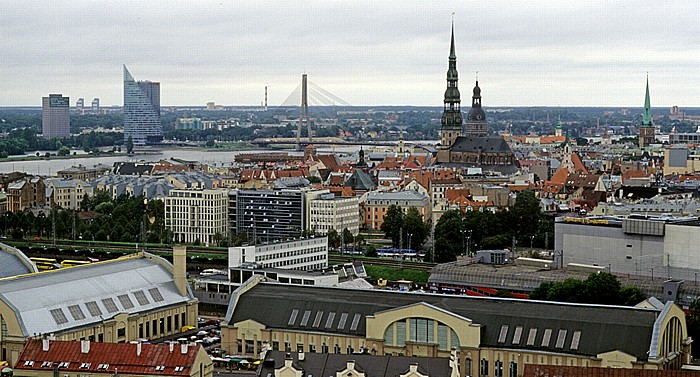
[210, 157]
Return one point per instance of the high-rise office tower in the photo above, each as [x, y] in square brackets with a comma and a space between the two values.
[80, 103]
[141, 111]
[55, 116]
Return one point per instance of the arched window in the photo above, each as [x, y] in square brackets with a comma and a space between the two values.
[421, 330]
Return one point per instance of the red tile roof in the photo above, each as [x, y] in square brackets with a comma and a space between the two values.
[119, 357]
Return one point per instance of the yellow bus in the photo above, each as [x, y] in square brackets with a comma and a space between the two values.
[73, 263]
[45, 264]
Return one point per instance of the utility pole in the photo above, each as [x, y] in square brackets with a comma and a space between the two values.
[74, 216]
[53, 226]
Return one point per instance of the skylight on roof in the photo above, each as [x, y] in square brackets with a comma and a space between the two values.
[58, 316]
[317, 320]
[125, 301]
[531, 337]
[546, 337]
[518, 333]
[155, 295]
[141, 298]
[575, 340]
[355, 322]
[293, 317]
[502, 335]
[76, 312]
[343, 319]
[94, 310]
[110, 305]
[305, 318]
[329, 321]
[561, 337]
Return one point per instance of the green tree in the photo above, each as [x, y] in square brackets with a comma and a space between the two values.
[393, 222]
[371, 251]
[348, 238]
[525, 214]
[632, 296]
[598, 288]
[415, 230]
[210, 142]
[130, 145]
[333, 239]
[64, 151]
[449, 237]
[314, 179]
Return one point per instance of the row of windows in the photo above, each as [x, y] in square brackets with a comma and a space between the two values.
[421, 330]
[497, 368]
[292, 253]
[546, 337]
[296, 261]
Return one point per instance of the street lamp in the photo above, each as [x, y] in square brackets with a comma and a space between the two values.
[469, 240]
[532, 239]
[409, 240]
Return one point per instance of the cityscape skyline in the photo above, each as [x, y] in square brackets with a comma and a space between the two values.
[527, 54]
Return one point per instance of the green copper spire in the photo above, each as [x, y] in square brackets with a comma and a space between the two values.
[646, 120]
[452, 115]
[559, 122]
[453, 54]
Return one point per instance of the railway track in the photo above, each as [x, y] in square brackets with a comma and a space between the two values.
[66, 248]
[393, 263]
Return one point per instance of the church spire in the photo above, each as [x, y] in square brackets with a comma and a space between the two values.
[451, 115]
[646, 119]
[453, 54]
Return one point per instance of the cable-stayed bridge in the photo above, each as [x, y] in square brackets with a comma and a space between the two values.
[309, 94]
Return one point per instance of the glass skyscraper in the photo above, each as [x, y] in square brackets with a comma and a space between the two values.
[141, 111]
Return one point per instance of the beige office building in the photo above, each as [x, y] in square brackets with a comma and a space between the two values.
[197, 215]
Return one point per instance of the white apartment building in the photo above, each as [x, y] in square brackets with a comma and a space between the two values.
[303, 254]
[197, 214]
[331, 212]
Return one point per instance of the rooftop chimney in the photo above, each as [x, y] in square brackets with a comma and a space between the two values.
[45, 344]
[179, 269]
[84, 346]
[172, 346]
[138, 349]
[301, 356]
[183, 348]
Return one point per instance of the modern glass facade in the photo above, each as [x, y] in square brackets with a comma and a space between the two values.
[141, 110]
[267, 215]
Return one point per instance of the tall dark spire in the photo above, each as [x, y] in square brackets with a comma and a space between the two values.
[646, 119]
[451, 114]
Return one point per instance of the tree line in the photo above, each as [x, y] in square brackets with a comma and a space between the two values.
[458, 233]
[599, 288]
[125, 219]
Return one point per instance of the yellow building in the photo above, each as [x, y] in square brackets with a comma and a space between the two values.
[133, 297]
[493, 336]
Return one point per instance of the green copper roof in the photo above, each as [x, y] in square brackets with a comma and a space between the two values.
[646, 120]
[559, 122]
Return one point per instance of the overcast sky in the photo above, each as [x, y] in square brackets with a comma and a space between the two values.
[528, 53]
